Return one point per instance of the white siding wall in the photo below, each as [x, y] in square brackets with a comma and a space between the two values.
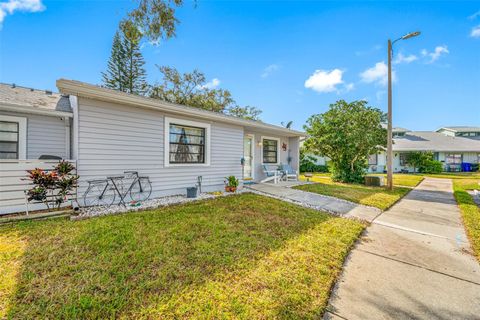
[13, 183]
[114, 138]
[257, 161]
[45, 135]
[470, 157]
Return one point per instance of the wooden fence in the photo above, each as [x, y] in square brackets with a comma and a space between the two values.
[13, 184]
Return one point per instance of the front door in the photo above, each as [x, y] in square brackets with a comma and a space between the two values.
[248, 156]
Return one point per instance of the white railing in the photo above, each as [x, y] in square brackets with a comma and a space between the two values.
[13, 184]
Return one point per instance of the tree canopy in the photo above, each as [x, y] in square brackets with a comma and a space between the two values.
[156, 18]
[192, 89]
[347, 133]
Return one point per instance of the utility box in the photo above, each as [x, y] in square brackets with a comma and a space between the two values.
[376, 181]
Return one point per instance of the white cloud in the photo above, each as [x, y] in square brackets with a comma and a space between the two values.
[377, 74]
[10, 6]
[436, 54]
[475, 33]
[211, 84]
[349, 87]
[405, 59]
[269, 70]
[475, 15]
[324, 80]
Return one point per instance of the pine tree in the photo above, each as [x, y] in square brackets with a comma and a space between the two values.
[135, 74]
[125, 70]
[112, 78]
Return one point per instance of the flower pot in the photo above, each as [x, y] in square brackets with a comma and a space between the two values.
[230, 189]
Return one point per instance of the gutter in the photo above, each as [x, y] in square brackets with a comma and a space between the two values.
[32, 110]
[85, 90]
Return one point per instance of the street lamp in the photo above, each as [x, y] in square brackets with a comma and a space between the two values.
[389, 126]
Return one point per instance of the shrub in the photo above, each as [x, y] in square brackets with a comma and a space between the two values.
[431, 166]
[307, 164]
[347, 134]
[52, 187]
[346, 171]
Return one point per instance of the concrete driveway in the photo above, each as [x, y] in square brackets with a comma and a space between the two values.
[413, 263]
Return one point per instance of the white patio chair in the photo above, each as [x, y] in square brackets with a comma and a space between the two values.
[288, 173]
[271, 174]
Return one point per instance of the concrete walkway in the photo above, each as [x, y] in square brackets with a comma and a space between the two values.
[317, 201]
[413, 263]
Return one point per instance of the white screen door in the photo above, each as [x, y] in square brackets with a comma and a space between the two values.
[248, 156]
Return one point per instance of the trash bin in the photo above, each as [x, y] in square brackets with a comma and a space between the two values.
[466, 167]
[192, 192]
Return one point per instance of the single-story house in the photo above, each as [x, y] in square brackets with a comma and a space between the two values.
[452, 148]
[461, 131]
[106, 132]
[452, 151]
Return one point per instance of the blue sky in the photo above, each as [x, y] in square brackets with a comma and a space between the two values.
[290, 59]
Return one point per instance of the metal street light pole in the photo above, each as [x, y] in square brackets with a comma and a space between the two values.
[389, 125]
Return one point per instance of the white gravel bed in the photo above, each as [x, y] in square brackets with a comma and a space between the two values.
[89, 212]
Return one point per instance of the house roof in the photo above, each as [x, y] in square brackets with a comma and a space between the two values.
[395, 129]
[460, 129]
[86, 90]
[27, 100]
[434, 141]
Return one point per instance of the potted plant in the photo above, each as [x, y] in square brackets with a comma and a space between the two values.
[231, 184]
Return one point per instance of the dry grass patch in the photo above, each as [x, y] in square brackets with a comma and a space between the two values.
[244, 256]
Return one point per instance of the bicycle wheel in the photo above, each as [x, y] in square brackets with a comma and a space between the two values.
[141, 189]
[99, 194]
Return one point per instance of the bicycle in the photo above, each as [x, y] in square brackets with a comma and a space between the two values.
[102, 192]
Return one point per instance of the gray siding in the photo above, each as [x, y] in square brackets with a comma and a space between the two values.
[45, 135]
[114, 138]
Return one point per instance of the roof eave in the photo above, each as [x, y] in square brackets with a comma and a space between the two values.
[85, 90]
[11, 107]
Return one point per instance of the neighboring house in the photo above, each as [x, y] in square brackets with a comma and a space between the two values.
[107, 132]
[450, 147]
[452, 151]
[461, 131]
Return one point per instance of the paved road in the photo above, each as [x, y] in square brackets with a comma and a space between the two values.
[413, 263]
[318, 201]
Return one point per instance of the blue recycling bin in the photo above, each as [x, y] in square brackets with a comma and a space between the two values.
[466, 167]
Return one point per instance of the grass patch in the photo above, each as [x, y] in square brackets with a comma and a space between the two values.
[244, 256]
[469, 210]
[406, 180]
[453, 175]
[399, 179]
[378, 197]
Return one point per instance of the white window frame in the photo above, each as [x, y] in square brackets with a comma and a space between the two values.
[204, 125]
[278, 150]
[22, 135]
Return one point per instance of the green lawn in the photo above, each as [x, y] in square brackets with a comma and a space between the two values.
[378, 197]
[244, 257]
[469, 209]
[399, 179]
[405, 180]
